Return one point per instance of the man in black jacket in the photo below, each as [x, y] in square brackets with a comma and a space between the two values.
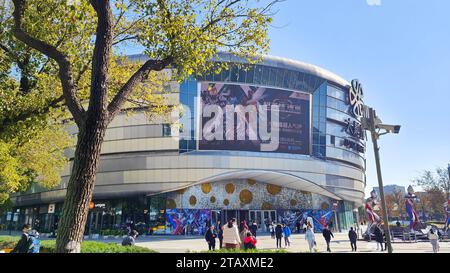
[210, 237]
[25, 242]
[353, 237]
[327, 234]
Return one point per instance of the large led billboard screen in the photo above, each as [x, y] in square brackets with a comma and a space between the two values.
[250, 118]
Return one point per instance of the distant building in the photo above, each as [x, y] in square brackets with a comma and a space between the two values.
[390, 189]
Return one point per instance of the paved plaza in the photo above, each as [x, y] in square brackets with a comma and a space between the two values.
[339, 244]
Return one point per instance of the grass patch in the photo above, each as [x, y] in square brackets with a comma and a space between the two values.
[49, 246]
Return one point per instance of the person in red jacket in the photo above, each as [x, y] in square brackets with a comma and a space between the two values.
[249, 241]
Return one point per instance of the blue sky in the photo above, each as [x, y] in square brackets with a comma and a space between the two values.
[400, 51]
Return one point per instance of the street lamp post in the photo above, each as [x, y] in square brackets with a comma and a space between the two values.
[373, 124]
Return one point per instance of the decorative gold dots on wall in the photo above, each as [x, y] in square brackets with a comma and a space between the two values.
[266, 206]
[212, 199]
[325, 206]
[273, 189]
[246, 196]
[251, 182]
[226, 202]
[293, 202]
[206, 188]
[171, 204]
[229, 188]
[192, 200]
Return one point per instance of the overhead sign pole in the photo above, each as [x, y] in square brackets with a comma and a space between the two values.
[373, 124]
[376, 149]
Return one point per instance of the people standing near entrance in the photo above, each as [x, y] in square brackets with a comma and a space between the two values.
[379, 237]
[310, 238]
[353, 237]
[298, 226]
[272, 230]
[278, 235]
[130, 240]
[254, 228]
[327, 234]
[243, 225]
[25, 242]
[220, 233]
[434, 240]
[210, 237]
[231, 235]
[287, 235]
[249, 241]
[243, 233]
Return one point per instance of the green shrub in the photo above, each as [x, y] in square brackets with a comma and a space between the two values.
[49, 246]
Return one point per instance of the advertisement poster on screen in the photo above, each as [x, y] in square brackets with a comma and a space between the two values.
[250, 118]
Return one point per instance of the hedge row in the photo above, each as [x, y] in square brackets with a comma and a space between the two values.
[49, 246]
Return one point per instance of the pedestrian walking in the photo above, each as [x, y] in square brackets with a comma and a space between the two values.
[278, 235]
[220, 234]
[353, 237]
[298, 226]
[210, 237]
[25, 242]
[272, 230]
[287, 235]
[231, 235]
[304, 227]
[253, 228]
[434, 240]
[310, 238]
[327, 234]
[130, 240]
[379, 237]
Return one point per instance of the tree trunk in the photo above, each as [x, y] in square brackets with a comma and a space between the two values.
[81, 186]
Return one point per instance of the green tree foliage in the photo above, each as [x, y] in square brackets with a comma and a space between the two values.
[432, 181]
[32, 139]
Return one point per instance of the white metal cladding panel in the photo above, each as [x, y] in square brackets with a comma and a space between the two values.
[136, 145]
[133, 132]
[212, 162]
[345, 155]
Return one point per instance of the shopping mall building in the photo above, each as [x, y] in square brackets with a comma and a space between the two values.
[304, 156]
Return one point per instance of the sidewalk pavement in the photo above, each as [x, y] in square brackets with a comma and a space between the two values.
[339, 244]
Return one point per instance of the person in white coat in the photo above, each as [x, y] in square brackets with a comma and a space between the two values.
[434, 240]
[310, 238]
[231, 237]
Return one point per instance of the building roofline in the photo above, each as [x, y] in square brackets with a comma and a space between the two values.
[274, 61]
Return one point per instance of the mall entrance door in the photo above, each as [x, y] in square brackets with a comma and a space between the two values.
[263, 218]
[240, 215]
